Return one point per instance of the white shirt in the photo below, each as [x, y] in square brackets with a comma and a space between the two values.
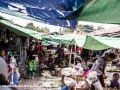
[65, 51]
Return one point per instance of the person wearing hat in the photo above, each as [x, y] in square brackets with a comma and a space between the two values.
[4, 75]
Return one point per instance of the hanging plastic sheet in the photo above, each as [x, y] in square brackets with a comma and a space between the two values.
[98, 11]
[45, 11]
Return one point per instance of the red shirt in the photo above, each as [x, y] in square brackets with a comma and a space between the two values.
[79, 49]
[39, 48]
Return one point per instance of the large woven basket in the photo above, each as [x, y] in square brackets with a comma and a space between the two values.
[80, 89]
[78, 78]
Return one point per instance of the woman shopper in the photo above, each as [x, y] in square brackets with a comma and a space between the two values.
[40, 53]
[31, 54]
[100, 64]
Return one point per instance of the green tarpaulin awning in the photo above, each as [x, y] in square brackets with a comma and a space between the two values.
[100, 11]
[88, 42]
[44, 43]
[20, 30]
[94, 44]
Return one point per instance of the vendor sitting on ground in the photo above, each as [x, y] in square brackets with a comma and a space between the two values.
[114, 83]
[67, 57]
[50, 62]
[64, 63]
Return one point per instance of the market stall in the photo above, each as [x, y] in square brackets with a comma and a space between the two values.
[13, 39]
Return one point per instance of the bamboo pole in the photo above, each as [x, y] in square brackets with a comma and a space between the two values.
[75, 54]
[75, 33]
[70, 55]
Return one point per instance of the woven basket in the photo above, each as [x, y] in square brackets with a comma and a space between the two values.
[78, 78]
[80, 89]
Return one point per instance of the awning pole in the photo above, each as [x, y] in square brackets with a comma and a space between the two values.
[70, 56]
[75, 53]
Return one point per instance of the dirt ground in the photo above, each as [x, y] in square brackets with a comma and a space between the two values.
[38, 81]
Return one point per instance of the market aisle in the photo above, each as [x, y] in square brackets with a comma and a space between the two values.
[25, 81]
[36, 81]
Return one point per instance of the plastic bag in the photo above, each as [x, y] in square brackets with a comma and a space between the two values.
[98, 85]
[46, 74]
[78, 69]
[93, 79]
[95, 82]
[66, 71]
[69, 82]
[64, 88]
[107, 82]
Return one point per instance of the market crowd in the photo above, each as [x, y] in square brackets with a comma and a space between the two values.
[63, 56]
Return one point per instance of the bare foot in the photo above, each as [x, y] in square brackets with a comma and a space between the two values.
[32, 77]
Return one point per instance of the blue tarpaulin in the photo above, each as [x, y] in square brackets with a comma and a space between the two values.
[45, 11]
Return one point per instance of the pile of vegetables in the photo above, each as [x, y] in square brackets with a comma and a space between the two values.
[112, 68]
[51, 83]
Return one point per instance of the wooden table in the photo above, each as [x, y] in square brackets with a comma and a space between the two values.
[114, 71]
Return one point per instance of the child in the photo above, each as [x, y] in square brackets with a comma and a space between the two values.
[114, 83]
[87, 72]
